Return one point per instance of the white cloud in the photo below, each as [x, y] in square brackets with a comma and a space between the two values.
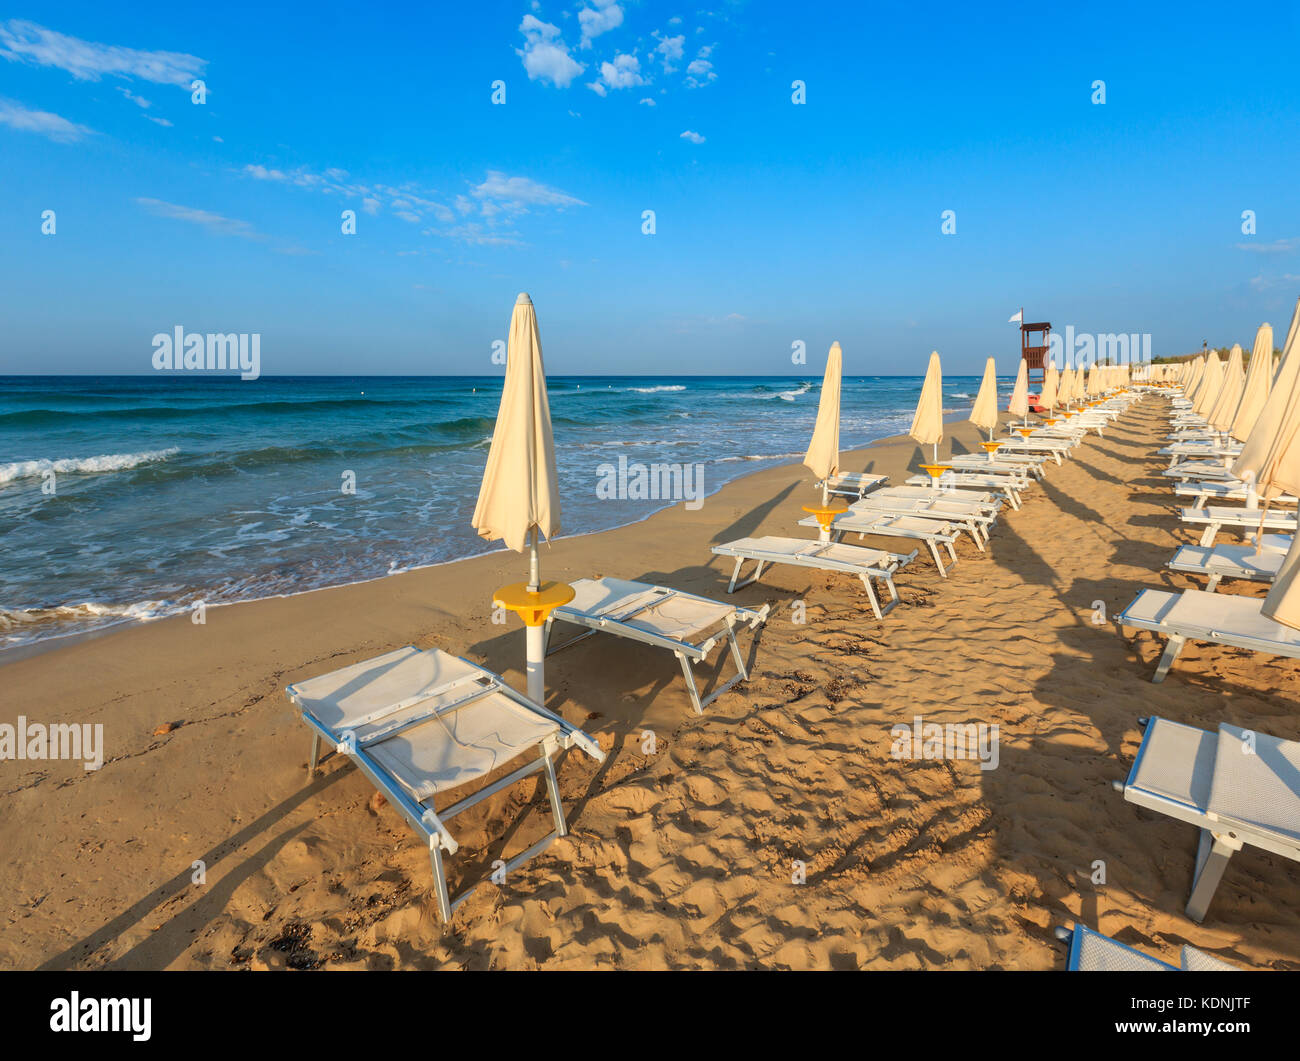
[623, 72]
[139, 101]
[694, 138]
[159, 121]
[1268, 283]
[516, 194]
[22, 41]
[605, 16]
[218, 140]
[648, 101]
[214, 223]
[671, 50]
[699, 73]
[546, 57]
[370, 205]
[1278, 246]
[57, 128]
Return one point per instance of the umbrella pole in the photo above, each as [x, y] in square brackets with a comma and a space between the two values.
[536, 651]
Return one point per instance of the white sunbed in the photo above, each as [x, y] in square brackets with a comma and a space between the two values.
[1054, 449]
[1015, 464]
[1092, 952]
[1227, 561]
[961, 483]
[1222, 490]
[1199, 615]
[1236, 786]
[421, 723]
[932, 532]
[849, 484]
[985, 501]
[866, 564]
[1181, 451]
[1201, 470]
[970, 518]
[688, 626]
[1214, 518]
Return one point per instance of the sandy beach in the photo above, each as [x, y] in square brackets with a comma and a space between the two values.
[683, 856]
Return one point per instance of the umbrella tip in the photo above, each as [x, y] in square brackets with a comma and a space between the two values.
[523, 299]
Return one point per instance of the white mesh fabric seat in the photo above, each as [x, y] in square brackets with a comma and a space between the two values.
[1091, 952]
[421, 723]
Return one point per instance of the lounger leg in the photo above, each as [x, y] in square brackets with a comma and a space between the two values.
[1213, 583]
[871, 596]
[1207, 537]
[1211, 860]
[731, 586]
[938, 560]
[952, 551]
[439, 879]
[690, 683]
[1174, 647]
[315, 755]
[553, 789]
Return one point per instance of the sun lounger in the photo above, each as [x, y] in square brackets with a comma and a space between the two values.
[1227, 561]
[961, 483]
[851, 485]
[1237, 786]
[1201, 470]
[419, 724]
[932, 532]
[1092, 952]
[866, 564]
[688, 626]
[1056, 451]
[1016, 464]
[1198, 615]
[1214, 518]
[981, 500]
[1224, 490]
[971, 518]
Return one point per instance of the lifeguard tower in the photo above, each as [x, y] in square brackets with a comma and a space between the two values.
[1033, 350]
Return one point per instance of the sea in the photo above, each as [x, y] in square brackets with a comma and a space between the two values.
[128, 498]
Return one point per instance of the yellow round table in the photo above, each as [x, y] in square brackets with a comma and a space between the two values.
[825, 514]
[533, 608]
[935, 471]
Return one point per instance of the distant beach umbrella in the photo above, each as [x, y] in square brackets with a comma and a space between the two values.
[520, 496]
[1066, 388]
[1019, 403]
[1211, 382]
[927, 422]
[984, 413]
[823, 456]
[1225, 405]
[1259, 380]
[1270, 439]
[1049, 396]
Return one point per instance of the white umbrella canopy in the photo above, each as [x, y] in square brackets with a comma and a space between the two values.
[1225, 405]
[1211, 382]
[1050, 396]
[1193, 376]
[1019, 402]
[520, 489]
[1066, 389]
[1259, 380]
[984, 413]
[520, 497]
[823, 456]
[927, 422]
[1259, 462]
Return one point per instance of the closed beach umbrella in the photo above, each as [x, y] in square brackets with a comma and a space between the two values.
[823, 456]
[1048, 398]
[1019, 403]
[1259, 380]
[1211, 383]
[1280, 473]
[927, 422]
[984, 413]
[520, 495]
[1259, 461]
[1225, 405]
[1066, 389]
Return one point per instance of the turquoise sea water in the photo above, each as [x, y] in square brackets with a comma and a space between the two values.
[166, 491]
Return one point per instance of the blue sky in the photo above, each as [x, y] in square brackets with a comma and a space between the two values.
[775, 222]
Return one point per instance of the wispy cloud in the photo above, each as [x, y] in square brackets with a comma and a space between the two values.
[139, 101]
[693, 137]
[1278, 246]
[1268, 283]
[546, 57]
[214, 223]
[603, 17]
[518, 193]
[26, 42]
[57, 128]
